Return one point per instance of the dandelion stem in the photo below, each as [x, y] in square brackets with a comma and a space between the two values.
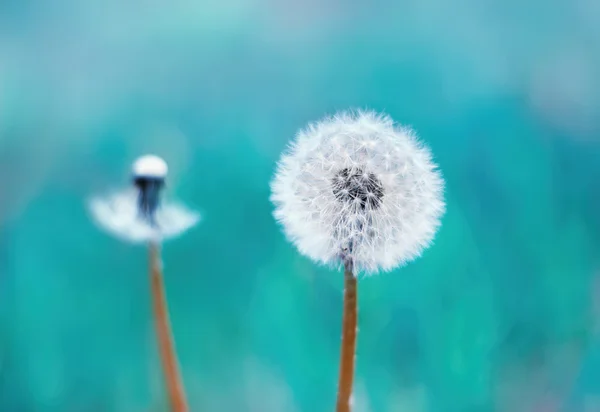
[349, 324]
[164, 336]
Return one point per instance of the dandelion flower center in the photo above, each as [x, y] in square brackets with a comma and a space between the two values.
[149, 196]
[350, 186]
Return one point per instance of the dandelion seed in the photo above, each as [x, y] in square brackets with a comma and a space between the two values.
[356, 190]
[137, 215]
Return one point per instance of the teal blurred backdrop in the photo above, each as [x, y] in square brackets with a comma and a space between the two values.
[501, 314]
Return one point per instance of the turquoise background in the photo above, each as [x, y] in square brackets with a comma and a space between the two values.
[501, 314]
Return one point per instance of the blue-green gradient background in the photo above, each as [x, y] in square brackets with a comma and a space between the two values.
[501, 314]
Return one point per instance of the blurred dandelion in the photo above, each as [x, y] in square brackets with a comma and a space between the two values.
[137, 215]
[134, 214]
[357, 190]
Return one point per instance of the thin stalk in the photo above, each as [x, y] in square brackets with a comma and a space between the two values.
[348, 352]
[168, 355]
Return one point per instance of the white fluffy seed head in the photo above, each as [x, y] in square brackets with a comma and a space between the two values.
[119, 215]
[358, 185]
[150, 166]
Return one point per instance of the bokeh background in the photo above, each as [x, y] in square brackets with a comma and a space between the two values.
[501, 314]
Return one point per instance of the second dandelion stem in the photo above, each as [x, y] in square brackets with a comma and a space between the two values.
[349, 325]
[166, 346]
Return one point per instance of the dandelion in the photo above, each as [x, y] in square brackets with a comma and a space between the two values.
[137, 215]
[356, 190]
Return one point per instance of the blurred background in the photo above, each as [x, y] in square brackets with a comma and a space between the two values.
[501, 314]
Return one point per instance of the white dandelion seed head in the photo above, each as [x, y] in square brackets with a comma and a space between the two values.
[150, 166]
[118, 214]
[358, 185]
[137, 214]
